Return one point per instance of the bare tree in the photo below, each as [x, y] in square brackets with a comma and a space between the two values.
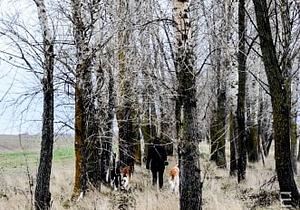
[86, 131]
[233, 147]
[241, 94]
[189, 154]
[126, 114]
[42, 190]
[220, 58]
[280, 96]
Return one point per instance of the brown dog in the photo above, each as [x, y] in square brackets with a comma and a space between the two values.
[126, 173]
[174, 179]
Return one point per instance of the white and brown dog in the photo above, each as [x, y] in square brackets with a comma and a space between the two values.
[174, 179]
[126, 173]
[119, 176]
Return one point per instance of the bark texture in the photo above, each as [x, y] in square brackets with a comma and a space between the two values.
[280, 103]
[217, 131]
[107, 141]
[220, 59]
[240, 113]
[190, 186]
[252, 136]
[42, 191]
[233, 145]
[85, 137]
[286, 66]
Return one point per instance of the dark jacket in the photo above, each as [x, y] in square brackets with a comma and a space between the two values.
[156, 157]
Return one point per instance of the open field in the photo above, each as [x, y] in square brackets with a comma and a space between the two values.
[20, 158]
[21, 151]
[13, 143]
[220, 191]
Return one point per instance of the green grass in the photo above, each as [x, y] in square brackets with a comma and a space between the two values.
[17, 159]
[63, 154]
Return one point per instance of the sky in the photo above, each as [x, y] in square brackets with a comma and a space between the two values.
[17, 117]
[25, 117]
[21, 98]
[17, 114]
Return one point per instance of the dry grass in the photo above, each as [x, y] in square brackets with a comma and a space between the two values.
[220, 191]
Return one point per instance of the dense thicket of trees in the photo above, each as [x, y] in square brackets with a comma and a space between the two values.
[124, 72]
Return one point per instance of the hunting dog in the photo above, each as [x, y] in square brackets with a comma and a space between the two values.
[174, 179]
[126, 173]
[120, 176]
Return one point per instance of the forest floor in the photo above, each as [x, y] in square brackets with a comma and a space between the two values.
[18, 167]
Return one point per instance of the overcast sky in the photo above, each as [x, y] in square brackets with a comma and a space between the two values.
[17, 117]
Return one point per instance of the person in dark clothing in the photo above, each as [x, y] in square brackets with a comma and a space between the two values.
[156, 160]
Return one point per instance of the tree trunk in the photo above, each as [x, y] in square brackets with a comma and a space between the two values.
[125, 112]
[264, 124]
[221, 122]
[220, 59]
[280, 103]
[294, 112]
[286, 66]
[189, 154]
[293, 125]
[240, 113]
[83, 102]
[253, 143]
[294, 144]
[42, 190]
[148, 129]
[190, 186]
[233, 146]
[165, 126]
[92, 144]
[127, 135]
[262, 128]
[217, 127]
[79, 142]
[295, 104]
[127, 117]
[252, 136]
[213, 130]
[107, 141]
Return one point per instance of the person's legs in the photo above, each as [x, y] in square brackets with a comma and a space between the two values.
[154, 177]
[161, 178]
